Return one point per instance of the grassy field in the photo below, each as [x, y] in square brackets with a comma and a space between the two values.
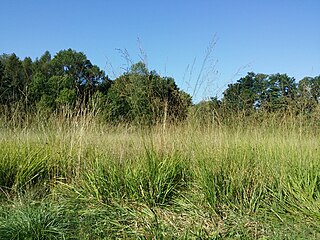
[78, 179]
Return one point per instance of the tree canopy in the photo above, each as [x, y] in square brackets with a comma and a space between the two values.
[69, 80]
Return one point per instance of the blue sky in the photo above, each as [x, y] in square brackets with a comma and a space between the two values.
[274, 36]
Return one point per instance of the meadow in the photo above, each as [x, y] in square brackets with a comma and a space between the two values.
[78, 178]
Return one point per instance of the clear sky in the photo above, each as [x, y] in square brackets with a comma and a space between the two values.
[172, 36]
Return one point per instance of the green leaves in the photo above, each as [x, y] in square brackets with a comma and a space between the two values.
[139, 96]
[145, 97]
[66, 97]
[261, 92]
[65, 79]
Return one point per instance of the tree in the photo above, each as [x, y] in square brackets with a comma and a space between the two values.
[13, 80]
[85, 76]
[3, 84]
[43, 65]
[308, 93]
[66, 79]
[28, 70]
[281, 92]
[145, 97]
[247, 94]
[260, 92]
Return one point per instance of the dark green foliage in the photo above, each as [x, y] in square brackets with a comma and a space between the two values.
[43, 65]
[145, 97]
[49, 83]
[70, 80]
[281, 92]
[243, 94]
[13, 84]
[3, 84]
[308, 94]
[261, 92]
[83, 77]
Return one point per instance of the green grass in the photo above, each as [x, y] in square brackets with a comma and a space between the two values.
[84, 180]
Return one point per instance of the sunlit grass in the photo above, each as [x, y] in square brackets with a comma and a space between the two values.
[185, 181]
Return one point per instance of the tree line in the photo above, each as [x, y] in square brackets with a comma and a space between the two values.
[260, 94]
[69, 80]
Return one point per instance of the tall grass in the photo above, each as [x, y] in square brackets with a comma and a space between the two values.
[78, 178]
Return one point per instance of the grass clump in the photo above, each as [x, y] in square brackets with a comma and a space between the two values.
[39, 221]
[150, 178]
[22, 168]
[161, 178]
